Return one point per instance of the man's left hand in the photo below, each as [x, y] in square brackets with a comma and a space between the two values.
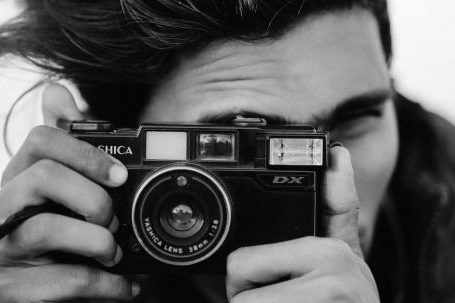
[310, 269]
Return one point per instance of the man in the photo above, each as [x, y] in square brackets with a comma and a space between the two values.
[319, 63]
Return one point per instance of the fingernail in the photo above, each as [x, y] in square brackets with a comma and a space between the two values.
[135, 289]
[118, 174]
[336, 144]
[118, 255]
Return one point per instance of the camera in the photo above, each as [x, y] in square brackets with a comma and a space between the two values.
[197, 192]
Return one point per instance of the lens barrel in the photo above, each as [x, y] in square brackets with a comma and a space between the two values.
[181, 214]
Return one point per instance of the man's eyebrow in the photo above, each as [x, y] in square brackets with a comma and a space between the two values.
[354, 104]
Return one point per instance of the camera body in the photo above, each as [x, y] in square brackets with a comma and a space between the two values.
[197, 192]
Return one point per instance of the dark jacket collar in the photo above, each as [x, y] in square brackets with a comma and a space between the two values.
[422, 190]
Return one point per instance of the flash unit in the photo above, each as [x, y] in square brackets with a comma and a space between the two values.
[296, 151]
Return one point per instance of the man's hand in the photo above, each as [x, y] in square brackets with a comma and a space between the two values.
[310, 269]
[54, 166]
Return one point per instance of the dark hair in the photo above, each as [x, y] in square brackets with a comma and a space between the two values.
[116, 52]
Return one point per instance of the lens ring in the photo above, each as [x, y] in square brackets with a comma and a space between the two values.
[224, 202]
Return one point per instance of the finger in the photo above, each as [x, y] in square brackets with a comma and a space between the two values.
[58, 282]
[59, 104]
[340, 209]
[114, 225]
[301, 289]
[44, 142]
[251, 266]
[48, 180]
[46, 233]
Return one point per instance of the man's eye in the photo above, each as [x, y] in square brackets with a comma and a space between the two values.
[374, 113]
[355, 124]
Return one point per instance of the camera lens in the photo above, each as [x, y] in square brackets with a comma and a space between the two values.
[181, 214]
[182, 218]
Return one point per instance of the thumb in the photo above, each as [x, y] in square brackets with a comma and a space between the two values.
[59, 105]
[340, 207]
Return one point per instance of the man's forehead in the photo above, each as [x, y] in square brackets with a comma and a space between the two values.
[316, 65]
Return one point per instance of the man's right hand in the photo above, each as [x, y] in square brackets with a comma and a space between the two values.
[53, 166]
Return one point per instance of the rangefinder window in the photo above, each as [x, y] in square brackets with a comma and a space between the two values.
[296, 152]
[215, 147]
[166, 145]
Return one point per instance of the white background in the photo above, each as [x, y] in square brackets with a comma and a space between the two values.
[424, 60]
[424, 52]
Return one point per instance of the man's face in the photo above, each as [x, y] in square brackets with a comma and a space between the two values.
[329, 71]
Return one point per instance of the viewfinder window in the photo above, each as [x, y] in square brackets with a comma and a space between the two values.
[166, 145]
[216, 147]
